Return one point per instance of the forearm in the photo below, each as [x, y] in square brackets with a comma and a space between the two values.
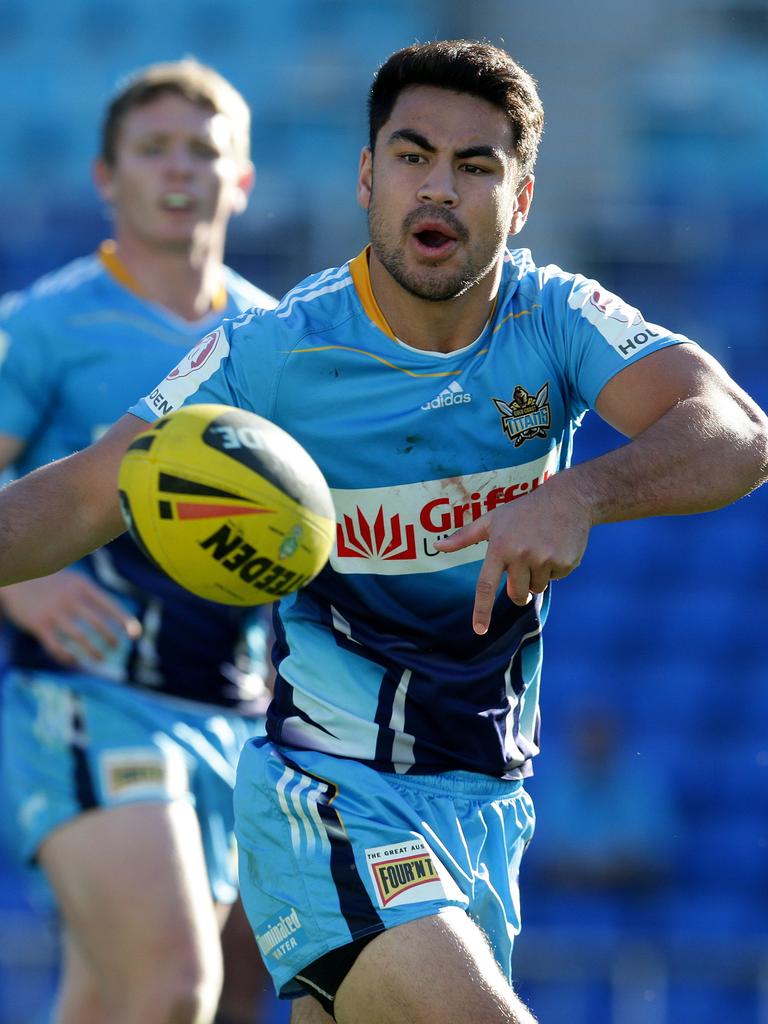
[693, 459]
[699, 442]
[47, 522]
[55, 515]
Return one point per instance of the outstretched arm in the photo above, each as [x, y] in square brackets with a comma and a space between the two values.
[60, 512]
[699, 443]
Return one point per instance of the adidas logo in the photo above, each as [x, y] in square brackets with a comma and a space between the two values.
[454, 394]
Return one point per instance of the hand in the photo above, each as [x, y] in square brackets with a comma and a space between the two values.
[534, 539]
[68, 611]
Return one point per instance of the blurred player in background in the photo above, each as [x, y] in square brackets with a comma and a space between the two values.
[438, 379]
[129, 699]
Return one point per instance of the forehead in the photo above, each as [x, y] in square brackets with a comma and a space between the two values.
[171, 114]
[448, 119]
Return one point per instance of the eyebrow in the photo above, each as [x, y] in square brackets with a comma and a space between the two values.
[162, 134]
[409, 135]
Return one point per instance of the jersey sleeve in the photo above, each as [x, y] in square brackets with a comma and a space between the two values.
[233, 365]
[601, 335]
[29, 371]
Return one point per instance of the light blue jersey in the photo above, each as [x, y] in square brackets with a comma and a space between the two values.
[81, 343]
[377, 660]
[77, 347]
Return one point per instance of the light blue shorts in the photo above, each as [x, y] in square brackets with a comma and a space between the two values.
[331, 850]
[72, 743]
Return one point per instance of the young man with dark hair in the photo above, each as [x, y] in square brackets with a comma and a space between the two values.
[382, 823]
[128, 699]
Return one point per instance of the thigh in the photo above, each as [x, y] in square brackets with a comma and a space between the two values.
[246, 994]
[438, 968]
[81, 996]
[132, 886]
[307, 1010]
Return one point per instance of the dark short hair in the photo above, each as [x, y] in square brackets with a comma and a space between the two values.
[468, 66]
[196, 82]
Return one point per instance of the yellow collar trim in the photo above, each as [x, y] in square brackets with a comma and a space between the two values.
[116, 268]
[361, 278]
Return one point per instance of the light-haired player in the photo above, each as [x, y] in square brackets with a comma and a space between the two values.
[382, 823]
[129, 699]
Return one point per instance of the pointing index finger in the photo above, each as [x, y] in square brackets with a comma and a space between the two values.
[493, 569]
[486, 589]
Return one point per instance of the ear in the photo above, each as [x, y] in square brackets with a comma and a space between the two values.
[242, 190]
[103, 177]
[522, 206]
[365, 178]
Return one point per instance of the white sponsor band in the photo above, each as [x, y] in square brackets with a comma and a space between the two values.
[392, 530]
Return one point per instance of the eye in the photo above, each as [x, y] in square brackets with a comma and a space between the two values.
[474, 169]
[413, 158]
[150, 148]
[204, 150]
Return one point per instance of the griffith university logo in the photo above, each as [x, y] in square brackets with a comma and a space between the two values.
[526, 416]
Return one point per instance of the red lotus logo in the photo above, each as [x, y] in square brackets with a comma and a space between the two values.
[194, 359]
[386, 539]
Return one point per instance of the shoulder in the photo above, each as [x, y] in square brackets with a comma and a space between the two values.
[566, 295]
[51, 295]
[264, 339]
[531, 280]
[318, 302]
[533, 298]
[244, 294]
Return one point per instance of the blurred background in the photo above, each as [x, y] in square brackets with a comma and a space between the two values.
[645, 892]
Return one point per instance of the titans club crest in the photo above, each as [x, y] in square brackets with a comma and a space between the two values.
[526, 416]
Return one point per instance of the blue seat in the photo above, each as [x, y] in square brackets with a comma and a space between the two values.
[726, 848]
[705, 1002]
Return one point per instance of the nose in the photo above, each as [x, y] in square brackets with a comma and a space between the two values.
[439, 185]
[179, 163]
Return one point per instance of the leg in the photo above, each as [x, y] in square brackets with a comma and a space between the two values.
[80, 992]
[245, 994]
[308, 1011]
[132, 886]
[433, 969]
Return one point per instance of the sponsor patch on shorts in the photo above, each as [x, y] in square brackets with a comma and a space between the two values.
[404, 873]
[281, 934]
[130, 774]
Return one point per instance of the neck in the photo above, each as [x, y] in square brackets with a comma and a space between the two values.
[443, 326]
[183, 281]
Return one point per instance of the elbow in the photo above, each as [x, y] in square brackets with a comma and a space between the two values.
[754, 444]
[763, 455]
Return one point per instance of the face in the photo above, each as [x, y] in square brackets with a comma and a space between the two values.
[176, 179]
[443, 191]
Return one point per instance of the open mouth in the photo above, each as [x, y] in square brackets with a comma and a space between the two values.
[176, 201]
[433, 239]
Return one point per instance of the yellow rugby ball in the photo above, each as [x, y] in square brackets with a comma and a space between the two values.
[227, 504]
